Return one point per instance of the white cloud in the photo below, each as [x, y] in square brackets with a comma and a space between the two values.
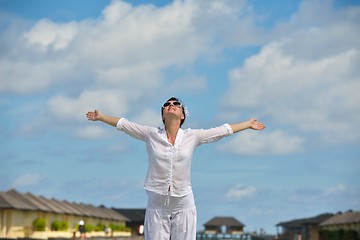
[124, 78]
[116, 59]
[28, 180]
[339, 193]
[261, 212]
[306, 80]
[67, 109]
[47, 34]
[188, 83]
[263, 143]
[240, 192]
[305, 195]
[149, 117]
[339, 189]
[91, 132]
[125, 45]
[31, 76]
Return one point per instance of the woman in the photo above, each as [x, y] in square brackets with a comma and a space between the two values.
[171, 211]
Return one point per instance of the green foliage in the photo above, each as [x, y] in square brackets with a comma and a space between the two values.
[99, 227]
[89, 228]
[59, 226]
[119, 228]
[39, 224]
[339, 235]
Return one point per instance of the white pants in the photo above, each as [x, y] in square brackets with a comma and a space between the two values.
[170, 217]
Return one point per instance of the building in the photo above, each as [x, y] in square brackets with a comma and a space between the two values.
[342, 225]
[136, 218]
[227, 225]
[301, 229]
[326, 226]
[345, 221]
[19, 212]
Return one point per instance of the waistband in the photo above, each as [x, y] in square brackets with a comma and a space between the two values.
[160, 201]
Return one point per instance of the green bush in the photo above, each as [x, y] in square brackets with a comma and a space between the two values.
[59, 226]
[39, 224]
[119, 228]
[339, 235]
[99, 227]
[64, 226]
[89, 228]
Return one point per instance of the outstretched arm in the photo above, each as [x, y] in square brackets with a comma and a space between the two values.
[252, 123]
[99, 116]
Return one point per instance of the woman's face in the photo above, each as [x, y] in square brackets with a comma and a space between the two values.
[173, 108]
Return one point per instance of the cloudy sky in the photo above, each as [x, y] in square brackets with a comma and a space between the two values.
[294, 65]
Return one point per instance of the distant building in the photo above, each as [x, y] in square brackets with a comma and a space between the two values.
[301, 229]
[228, 225]
[322, 227]
[136, 218]
[18, 212]
[348, 221]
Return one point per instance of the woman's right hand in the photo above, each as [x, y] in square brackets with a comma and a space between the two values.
[93, 116]
[99, 116]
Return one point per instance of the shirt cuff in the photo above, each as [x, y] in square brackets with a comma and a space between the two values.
[120, 123]
[228, 128]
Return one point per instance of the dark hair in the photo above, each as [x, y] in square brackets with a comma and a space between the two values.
[182, 106]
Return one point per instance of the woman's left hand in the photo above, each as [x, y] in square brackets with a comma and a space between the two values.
[254, 124]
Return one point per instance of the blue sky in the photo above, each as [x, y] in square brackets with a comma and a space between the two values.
[295, 66]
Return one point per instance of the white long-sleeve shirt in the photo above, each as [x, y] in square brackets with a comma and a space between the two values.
[170, 165]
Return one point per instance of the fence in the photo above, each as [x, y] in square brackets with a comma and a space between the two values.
[218, 236]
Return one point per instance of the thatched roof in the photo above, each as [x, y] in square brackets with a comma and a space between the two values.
[133, 214]
[15, 200]
[298, 223]
[343, 218]
[224, 221]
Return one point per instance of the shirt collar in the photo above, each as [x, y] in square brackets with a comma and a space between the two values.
[179, 136]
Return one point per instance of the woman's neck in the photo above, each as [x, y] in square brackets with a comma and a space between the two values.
[171, 131]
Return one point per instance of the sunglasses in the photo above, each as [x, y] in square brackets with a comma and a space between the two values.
[175, 103]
